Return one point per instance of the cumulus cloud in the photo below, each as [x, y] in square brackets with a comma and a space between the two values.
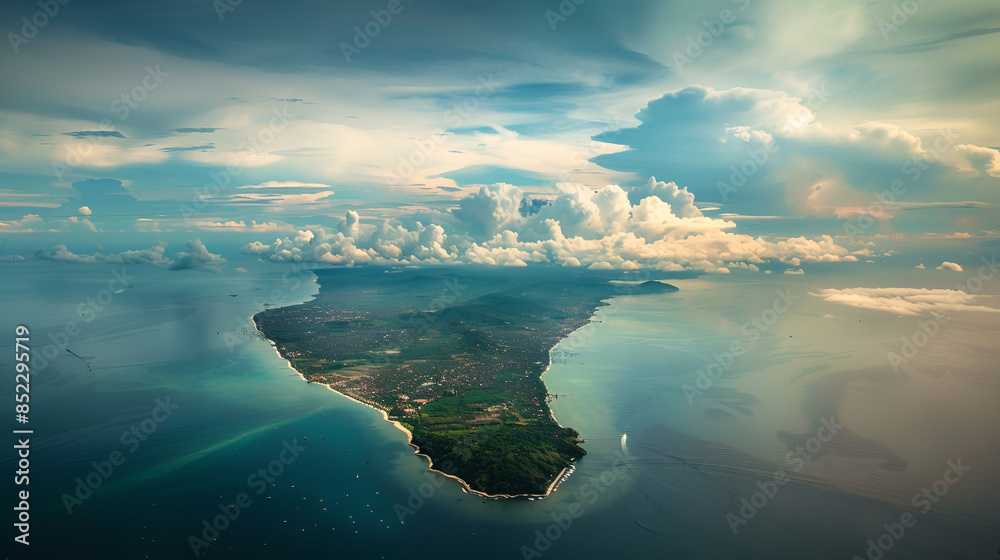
[763, 152]
[920, 266]
[904, 301]
[106, 196]
[198, 257]
[950, 266]
[87, 223]
[22, 225]
[983, 160]
[693, 135]
[154, 255]
[491, 210]
[653, 226]
[680, 200]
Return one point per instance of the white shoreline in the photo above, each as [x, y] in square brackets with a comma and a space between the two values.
[559, 478]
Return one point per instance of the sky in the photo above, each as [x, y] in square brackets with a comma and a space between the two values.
[767, 136]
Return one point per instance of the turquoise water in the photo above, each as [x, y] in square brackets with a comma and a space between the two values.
[687, 461]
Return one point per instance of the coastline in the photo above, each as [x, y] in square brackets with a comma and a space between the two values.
[561, 477]
[409, 435]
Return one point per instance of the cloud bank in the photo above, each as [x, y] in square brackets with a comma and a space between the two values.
[197, 257]
[904, 301]
[654, 226]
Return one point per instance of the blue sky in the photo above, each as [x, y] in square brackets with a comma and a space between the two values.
[780, 134]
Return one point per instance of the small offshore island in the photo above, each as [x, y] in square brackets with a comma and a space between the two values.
[454, 356]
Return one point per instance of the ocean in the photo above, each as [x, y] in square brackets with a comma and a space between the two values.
[164, 427]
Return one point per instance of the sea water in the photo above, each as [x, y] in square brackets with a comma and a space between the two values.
[343, 483]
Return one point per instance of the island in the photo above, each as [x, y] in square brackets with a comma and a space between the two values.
[454, 356]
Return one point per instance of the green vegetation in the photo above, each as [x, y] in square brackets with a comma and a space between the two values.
[455, 355]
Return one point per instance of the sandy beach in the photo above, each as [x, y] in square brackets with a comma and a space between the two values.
[409, 435]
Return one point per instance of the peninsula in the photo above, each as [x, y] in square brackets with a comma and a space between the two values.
[454, 356]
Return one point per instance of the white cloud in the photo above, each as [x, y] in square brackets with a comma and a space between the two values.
[920, 266]
[147, 225]
[154, 255]
[21, 226]
[198, 257]
[680, 200]
[280, 199]
[761, 152]
[982, 234]
[983, 160]
[285, 185]
[904, 301]
[242, 226]
[580, 227]
[87, 223]
[84, 210]
[950, 266]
